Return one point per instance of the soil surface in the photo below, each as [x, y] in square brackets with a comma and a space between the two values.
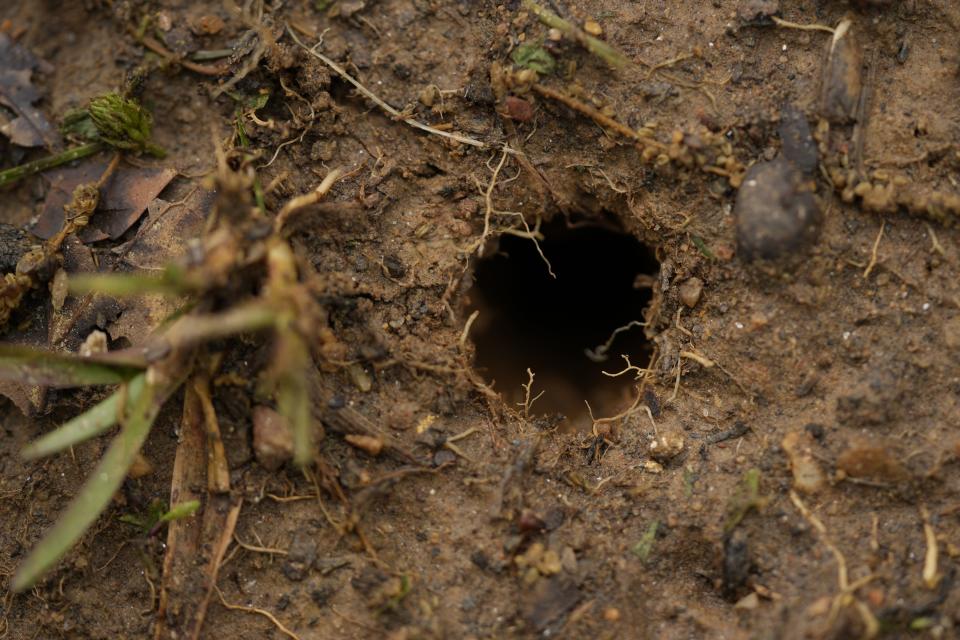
[780, 456]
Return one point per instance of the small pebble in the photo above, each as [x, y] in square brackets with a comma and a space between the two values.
[690, 291]
[272, 440]
[611, 614]
[593, 28]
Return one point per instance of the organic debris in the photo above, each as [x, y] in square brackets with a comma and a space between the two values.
[122, 201]
[29, 127]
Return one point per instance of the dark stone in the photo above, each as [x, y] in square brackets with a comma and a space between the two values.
[652, 401]
[444, 456]
[394, 267]
[736, 563]
[554, 518]
[799, 146]
[776, 213]
[302, 554]
[321, 595]
[817, 431]
[480, 559]
[368, 580]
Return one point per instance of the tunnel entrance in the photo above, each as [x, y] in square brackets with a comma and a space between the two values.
[528, 319]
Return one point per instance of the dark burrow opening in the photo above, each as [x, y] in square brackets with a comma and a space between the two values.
[527, 319]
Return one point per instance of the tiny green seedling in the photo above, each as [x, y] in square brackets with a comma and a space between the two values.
[157, 515]
[532, 55]
[109, 121]
[645, 545]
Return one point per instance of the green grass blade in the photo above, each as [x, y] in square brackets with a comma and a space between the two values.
[88, 424]
[37, 366]
[180, 511]
[96, 492]
[291, 360]
[172, 282]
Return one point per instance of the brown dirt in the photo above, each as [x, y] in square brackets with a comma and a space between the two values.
[631, 540]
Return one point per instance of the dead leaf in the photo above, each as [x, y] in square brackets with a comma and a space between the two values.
[160, 241]
[29, 127]
[71, 324]
[122, 200]
[162, 238]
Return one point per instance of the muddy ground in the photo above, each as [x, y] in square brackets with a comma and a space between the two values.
[828, 374]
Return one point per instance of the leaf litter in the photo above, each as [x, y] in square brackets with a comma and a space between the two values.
[29, 127]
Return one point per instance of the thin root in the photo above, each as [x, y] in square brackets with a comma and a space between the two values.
[383, 105]
[262, 612]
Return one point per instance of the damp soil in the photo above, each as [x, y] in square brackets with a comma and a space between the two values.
[832, 379]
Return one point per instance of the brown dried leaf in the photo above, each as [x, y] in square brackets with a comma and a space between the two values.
[122, 200]
[29, 127]
[160, 241]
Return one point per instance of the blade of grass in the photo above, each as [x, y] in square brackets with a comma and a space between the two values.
[171, 282]
[96, 492]
[37, 366]
[182, 510]
[293, 398]
[88, 424]
[9, 176]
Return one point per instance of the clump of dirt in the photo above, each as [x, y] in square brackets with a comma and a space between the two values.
[531, 207]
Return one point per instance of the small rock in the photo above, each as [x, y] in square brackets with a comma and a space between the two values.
[141, 467]
[690, 291]
[776, 213]
[368, 444]
[611, 614]
[593, 27]
[394, 266]
[748, 602]
[95, 344]
[554, 518]
[444, 456]
[272, 439]
[429, 95]
[550, 563]
[796, 140]
[666, 446]
[650, 466]
[529, 522]
[301, 556]
[359, 376]
[518, 109]
[736, 562]
[808, 477]
[750, 10]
